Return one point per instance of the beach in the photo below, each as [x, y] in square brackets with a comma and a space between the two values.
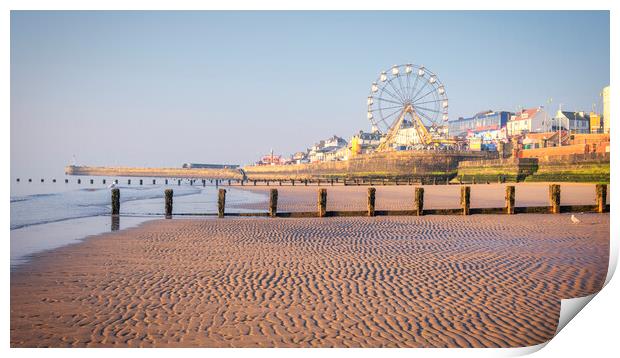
[431, 281]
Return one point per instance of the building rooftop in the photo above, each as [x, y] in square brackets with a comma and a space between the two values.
[526, 114]
[574, 115]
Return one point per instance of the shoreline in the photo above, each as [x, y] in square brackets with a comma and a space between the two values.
[31, 238]
[205, 276]
[26, 241]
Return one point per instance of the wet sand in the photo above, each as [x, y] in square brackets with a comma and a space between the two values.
[433, 281]
[401, 197]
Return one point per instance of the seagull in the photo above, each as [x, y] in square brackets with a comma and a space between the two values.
[574, 219]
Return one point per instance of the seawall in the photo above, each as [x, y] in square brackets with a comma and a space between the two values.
[417, 165]
[496, 170]
[591, 167]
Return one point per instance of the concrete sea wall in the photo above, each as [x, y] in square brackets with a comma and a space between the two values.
[496, 170]
[591, 167]
[417, 165]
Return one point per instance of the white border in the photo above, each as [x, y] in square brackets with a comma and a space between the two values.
[594, 329]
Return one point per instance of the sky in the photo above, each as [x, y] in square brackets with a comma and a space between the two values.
[163, 88]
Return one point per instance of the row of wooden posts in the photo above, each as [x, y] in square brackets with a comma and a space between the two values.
[418, 204]
[141, 181]
[267, 182]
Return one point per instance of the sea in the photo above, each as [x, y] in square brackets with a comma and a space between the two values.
[46, 215]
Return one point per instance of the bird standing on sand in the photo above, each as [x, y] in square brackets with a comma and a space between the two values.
[574, 219]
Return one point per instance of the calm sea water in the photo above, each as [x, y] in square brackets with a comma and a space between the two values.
[47, 215]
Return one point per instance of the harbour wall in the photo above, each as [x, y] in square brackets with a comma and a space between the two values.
[198, 173]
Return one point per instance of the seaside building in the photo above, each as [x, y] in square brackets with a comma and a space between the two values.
[573, 122]
[544, 140]
[488, 124]
[328, 150]
[406, 136]
[340, 153]
[272, 159]
[529, 120]
[364, 142]
[606, 109]
[300, 157]
[409, 136]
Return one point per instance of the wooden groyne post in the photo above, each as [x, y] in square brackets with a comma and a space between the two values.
[116, 201]
[554, 198]
[221, 202]
[510, 199]
[418, 203]
[322, 202]
[465, 195]
[273, 202]
[601, 197]
[168, 193]
[371, 201]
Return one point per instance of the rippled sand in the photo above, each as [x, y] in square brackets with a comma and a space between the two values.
[433, 281]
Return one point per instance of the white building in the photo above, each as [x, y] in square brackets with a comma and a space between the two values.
[574, 122]
[535, 120]
[328, 149]
[364, 142]
[407, 136]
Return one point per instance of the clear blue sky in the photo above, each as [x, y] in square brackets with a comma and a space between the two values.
[163, 88]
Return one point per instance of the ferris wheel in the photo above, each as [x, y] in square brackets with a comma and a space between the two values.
[407, 86]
